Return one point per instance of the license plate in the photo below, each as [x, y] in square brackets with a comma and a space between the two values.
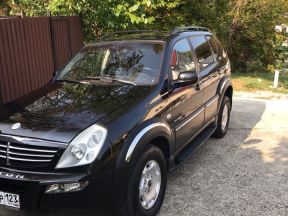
[10, 200]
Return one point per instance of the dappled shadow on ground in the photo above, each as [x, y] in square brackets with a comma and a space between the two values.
[243, 174]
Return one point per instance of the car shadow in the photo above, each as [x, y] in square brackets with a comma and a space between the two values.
[197, 186]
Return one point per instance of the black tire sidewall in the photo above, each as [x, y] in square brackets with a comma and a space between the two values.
[219, 133]
[134, 206]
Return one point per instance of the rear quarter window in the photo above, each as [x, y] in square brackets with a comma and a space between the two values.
[211, 40]
[221, 53]
[203, 51]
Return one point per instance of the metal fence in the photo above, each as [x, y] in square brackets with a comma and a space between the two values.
[31, 49]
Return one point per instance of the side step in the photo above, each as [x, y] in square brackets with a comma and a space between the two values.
[193, 146]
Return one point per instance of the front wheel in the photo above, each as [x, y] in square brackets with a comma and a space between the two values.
[147, 185]
[223, 118]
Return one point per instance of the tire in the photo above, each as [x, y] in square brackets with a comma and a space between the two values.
[153, 157]
[222, 127]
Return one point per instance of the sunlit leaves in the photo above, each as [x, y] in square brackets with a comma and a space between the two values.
[245, 27]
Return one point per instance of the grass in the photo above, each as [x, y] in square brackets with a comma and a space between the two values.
[259, 81]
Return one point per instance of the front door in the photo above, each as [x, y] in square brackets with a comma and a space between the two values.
[187, 112]
[208, 76]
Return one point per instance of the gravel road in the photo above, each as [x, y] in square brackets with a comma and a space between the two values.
[245, 173]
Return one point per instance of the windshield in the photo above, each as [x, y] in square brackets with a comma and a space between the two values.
[131, 62]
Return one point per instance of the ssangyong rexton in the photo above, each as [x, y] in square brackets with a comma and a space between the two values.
[122, 114]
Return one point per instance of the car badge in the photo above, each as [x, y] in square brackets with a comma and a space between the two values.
[16, 126]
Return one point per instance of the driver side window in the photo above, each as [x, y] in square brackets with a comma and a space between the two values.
[181, 59]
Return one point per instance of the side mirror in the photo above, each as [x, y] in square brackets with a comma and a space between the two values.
[186, 78]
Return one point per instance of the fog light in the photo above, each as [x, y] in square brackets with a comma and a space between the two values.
[66, 188]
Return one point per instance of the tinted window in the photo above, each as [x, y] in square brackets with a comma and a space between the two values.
[203, 51]
[213, 45]
[181, 59]
[222, 56]
[129, 61]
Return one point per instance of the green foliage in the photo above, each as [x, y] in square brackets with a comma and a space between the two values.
[245, 27]
[270, 68]
[259, 81]
[25, 7]
[252, 35]
[282, 52]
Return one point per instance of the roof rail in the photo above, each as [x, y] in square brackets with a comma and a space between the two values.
[187, 28]
[128, 32]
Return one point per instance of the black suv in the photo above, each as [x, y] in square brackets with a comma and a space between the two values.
[122, 114]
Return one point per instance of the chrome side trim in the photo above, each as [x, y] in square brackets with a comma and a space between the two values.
[27, 139]
[223, 85]
[140, 135]
[189, 119]
[212, 101]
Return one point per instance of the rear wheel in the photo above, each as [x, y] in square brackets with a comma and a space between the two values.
[223, 118]
[147, 185]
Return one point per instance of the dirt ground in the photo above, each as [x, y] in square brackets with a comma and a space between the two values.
[245, 173]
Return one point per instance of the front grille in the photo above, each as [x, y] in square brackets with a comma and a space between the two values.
[22, 155]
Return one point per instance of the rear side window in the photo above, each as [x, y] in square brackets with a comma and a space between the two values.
[213, 45]
[202, 50]
[181, 59]
[222, 55]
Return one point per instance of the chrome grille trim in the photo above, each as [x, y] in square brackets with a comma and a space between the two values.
[32, 149]
[22, 154]
[30, 155]
[29, 160]
[7, 153]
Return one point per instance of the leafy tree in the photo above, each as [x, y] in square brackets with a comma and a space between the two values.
[104, 16]
[25, 7]
[246, 27]
[252, 31]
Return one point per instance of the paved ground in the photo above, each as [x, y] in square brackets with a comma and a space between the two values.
[246, 173]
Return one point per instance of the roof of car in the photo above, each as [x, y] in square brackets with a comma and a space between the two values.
[154, 35]
[137, 35]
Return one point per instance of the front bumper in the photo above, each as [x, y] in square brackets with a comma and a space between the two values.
[31, 188]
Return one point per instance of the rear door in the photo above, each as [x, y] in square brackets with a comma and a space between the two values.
[209, 75]
[187, 112]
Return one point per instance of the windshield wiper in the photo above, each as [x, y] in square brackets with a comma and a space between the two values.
[67, 81]
[109, 79]
[125, 81]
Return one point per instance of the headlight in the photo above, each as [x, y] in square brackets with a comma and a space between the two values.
[84, 148]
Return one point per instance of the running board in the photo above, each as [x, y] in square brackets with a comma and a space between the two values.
[193, 146]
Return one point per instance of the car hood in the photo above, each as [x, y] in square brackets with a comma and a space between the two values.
[61, 111]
